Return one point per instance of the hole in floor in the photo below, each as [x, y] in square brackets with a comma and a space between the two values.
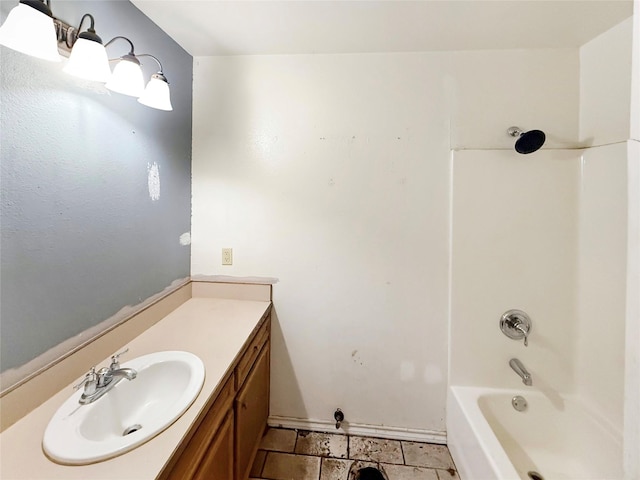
[535, 475]
[369, 473]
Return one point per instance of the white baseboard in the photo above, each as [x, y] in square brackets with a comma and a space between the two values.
[361, 429]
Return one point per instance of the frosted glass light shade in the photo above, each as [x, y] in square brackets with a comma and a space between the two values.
[157, 94]
[127, 78]
[88, 60]
[30, 31]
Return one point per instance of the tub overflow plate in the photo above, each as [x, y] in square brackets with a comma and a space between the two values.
[519, 403]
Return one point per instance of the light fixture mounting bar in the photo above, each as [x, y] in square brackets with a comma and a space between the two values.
[66, 35]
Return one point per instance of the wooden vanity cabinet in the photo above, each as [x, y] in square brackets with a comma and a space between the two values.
[225, 442]
[252, 410]
[218, 461]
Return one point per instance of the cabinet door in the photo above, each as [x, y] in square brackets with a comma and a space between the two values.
[218, 461]
[252, 410]
[209, 433]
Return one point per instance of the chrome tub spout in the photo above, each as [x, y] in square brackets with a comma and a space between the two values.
[518, 367]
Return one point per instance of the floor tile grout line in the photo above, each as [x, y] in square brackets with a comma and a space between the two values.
[264, 464]
[303, 455]
[295, 444]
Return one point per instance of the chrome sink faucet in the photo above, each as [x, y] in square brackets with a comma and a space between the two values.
[518, 367]
[96, 384]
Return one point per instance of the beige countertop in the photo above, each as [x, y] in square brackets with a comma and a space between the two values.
[213, 329]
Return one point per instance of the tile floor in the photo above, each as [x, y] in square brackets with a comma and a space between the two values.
[301, 455]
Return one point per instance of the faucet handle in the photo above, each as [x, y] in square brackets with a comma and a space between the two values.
[115, 363]
[88, 379]
[525, 333]
[516, 325]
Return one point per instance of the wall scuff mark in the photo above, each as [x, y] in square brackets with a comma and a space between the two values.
[185, 238]
[153, 180]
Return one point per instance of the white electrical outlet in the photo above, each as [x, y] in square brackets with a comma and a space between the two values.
[227, 256]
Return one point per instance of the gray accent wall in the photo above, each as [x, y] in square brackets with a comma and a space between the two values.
[84, 229]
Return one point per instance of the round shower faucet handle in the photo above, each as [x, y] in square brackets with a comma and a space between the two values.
[516, 325]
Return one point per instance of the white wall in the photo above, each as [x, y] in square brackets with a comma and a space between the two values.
[332, 173]
[605, 86]
[494, 90]
[515, 228]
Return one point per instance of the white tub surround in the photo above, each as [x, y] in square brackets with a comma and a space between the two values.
[214, 329]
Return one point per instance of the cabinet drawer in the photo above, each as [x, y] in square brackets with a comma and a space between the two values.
[250, 355]
[189, 461]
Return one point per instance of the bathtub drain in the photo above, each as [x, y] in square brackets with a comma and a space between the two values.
[535, 475]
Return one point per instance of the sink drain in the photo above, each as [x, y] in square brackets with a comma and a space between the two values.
[137, 426]
[535, 475]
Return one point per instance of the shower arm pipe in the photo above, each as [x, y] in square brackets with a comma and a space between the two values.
[515, 131]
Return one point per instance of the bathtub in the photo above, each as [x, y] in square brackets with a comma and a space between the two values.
[555, 437]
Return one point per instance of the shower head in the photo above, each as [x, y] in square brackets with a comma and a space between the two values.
[528, 142]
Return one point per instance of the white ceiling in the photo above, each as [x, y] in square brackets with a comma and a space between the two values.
[206, 27]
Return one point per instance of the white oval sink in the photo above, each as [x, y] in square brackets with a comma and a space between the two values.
[128, 415]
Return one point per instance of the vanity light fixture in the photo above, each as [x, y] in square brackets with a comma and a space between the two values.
[29, 28]
[156, 94]
[32, 29]
[127, 75]
[88, 58]
[127, 79]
